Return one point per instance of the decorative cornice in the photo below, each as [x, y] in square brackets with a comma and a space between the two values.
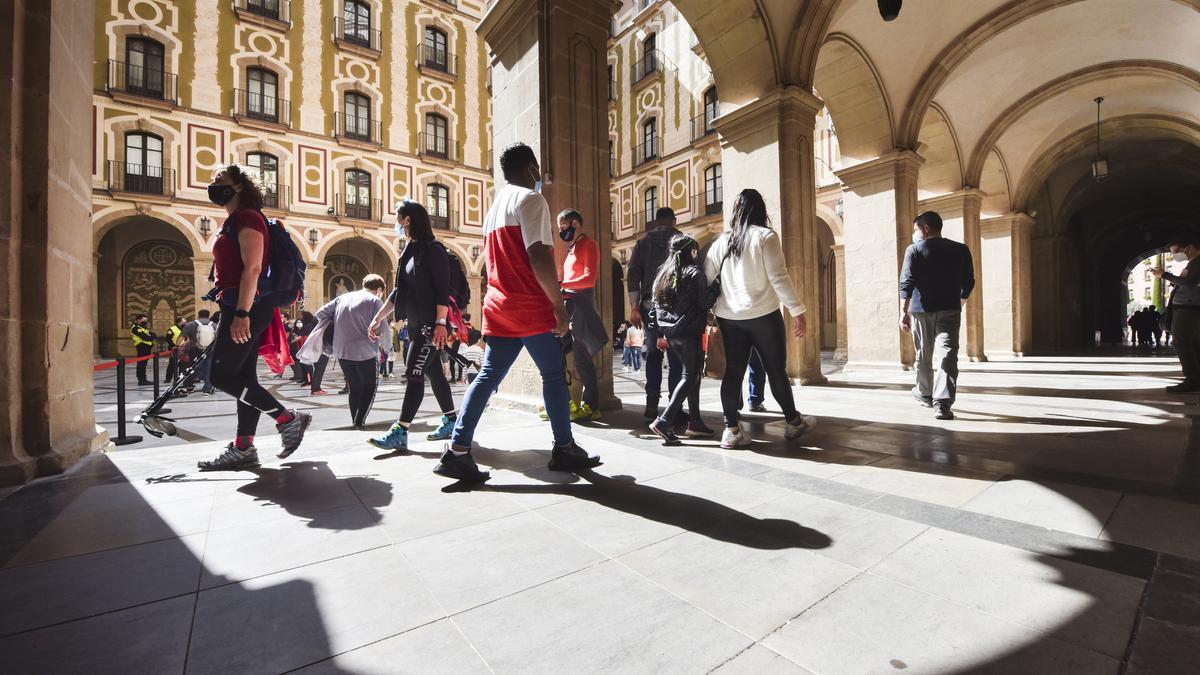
[767, 111]
[887, 166]
[959, 200]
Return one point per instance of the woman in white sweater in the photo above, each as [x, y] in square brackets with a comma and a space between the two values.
[748, 257]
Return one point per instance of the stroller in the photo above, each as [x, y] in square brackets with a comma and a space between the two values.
[153, 417]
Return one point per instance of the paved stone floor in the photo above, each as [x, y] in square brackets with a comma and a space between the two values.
[1053, 528]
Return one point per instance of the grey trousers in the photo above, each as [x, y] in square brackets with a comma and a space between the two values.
[936, 338]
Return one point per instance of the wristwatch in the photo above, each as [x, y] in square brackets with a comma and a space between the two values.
[440, 322]
[241, 313]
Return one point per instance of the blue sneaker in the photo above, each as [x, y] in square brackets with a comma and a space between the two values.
[395, 439]
[443, 432]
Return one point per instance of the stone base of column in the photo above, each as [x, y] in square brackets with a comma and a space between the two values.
[18, 471]
[978, 359]
[811, 380]
[876, 366]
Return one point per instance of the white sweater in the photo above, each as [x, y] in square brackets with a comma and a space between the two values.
[755, 283]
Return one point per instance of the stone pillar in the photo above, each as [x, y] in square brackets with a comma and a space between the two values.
[550, 91]
[839, 258]
[314, 287]
[880, 205]
[202, 264]
[960, 222]
[767, 144]
[475, 308]
[47, 273]
[1006, 283]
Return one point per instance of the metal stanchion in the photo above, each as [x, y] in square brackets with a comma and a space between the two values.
[156, 384]
[121, 438]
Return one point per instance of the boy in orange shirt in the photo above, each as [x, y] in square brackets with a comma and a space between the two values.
[579, 291]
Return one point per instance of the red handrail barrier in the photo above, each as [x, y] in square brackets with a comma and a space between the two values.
[113, 364]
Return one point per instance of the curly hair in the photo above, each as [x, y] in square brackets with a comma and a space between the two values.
[251, 194]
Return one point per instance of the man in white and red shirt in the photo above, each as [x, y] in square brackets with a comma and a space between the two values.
[523, 309]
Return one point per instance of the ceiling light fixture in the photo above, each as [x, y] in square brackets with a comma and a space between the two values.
[1100, 162]
[890, 9]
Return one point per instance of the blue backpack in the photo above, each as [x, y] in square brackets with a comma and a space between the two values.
[281, 284]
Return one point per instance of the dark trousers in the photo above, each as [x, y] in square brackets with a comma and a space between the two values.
[1185, 330]
[235, 369]
[362, 379]
[316, 373]
[758, 379]
[768, 336]
[690, 353]
[143, 350]
[654, 363]
[424, 363]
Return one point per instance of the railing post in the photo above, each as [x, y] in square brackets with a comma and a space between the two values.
[155, 360]
[121, 438]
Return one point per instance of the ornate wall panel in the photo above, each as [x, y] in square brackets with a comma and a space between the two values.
[310, 174]
[678, 192]
[159, 281]
[472, 202]
[205, 152]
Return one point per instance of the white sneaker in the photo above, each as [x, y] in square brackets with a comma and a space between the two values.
[802, 425]
[734, 438]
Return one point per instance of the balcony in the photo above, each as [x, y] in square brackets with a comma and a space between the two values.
[353, 130]
[122, 177]
[356, 37]
[702, 126]
[644, 220]
[649, 65]
[271, 13]
[437, 146]
[254, 107]
[276, 196]
[646, 152]
[612, 166]
[141, 83]
[347, 206]
[443, 220]
[437, 61]
[612, 89]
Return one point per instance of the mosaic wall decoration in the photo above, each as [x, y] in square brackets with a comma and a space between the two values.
[206, 152]
[472, 198]
[678, 194]
[310, 174]
[159, 281]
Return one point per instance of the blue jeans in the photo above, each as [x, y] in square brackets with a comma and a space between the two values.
[633, 357]
[758, 379]
[501, 353]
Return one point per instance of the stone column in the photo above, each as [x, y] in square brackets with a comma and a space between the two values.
[475, 309]
[46, 263]
[1006, 283]
[960, 222]
[549, 84]
[767, 145]
[880, 205]
[202, 264]
[839, 257]
[314, 287]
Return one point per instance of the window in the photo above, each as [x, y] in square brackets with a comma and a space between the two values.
[436, 54]
[612, 84]
[1146, 275]
[439, 205]
[651, 203]
[357, 17]
[437, 141]
[612, 161]
[357, 116]
[710, 107]
[267, 8]
[262, 90]
[650, 55]
[1146, 295]
[144, 67]
[358, 194]
[143, 169]
[650, 139]
[266, 166]
[712, 189]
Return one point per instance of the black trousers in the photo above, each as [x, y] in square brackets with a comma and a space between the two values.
[235, 368]
[362, 378]
[768, 336]
[143, 350]
[316, 373]
[654, 363]
[690, 353]
[424, 362]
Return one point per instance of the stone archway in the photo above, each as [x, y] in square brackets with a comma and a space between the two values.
[347, 261]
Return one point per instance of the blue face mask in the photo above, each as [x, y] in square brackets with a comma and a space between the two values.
[537, 183]
[400, 230]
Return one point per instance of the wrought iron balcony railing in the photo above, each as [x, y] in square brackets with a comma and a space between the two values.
[278, 10]
[357, 128]
[357, 33]
[437, 59]
[702, 125]
[140, 179]
[438, 146]
[646, 152]
[258, 106]
[350, 206]
[128, 78]
[650, 64]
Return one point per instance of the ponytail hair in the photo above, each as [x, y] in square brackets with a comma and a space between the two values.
[683, 252]
[251, 194]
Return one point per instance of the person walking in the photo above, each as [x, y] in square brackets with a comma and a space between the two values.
[143, 344]
[1185, 311]
[682, 298]
[579, 292]
[240, 257]
[421, 297]
[196, 336]
[634, 344]
[523, 309]
[748, 259]
[649, 253]
[386, 345]
[1154, 321]
[937, 278]
[355, 345]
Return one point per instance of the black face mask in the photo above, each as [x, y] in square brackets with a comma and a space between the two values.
[220, 194]
[567, 234]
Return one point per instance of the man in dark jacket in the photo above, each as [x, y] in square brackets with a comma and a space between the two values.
[1185, 311]
[937, 278]
[143, 341]
[648, 255]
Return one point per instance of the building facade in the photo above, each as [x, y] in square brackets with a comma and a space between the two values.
[342, 107]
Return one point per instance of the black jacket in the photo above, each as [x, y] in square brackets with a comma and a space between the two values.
[422, 283]
[688, 315]
[649, 254]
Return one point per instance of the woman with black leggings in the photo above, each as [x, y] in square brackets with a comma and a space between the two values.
[421, 296]
[240, 256]
[748, 257]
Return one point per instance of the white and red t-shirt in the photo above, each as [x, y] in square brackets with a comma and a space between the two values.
[516, 305]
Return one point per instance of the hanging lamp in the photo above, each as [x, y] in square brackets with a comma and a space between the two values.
[1100, 162]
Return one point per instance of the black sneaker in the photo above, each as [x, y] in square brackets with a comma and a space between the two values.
[651, 411]
[663, 430]
[232, 459]
[572, 458]
[1184, 387]
[291, 433]
[344, 390]
[926, 401]
[942, 411]
[460, 467]
[758, 408]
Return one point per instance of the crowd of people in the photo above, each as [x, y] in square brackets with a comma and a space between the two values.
[1148, 328]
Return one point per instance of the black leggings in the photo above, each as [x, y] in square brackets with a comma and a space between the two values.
[690, 353]
[768, 336]
[316, 373]
[424, 361]
[361, 378]
[235, 368]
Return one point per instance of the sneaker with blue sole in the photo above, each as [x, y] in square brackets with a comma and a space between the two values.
[444, 431]
[395, 439]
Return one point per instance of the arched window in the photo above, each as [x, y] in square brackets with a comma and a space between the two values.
[438, 203]
[143, 169]
[267, 8]
[356, 15]
[358, 194]
[710, 108]
[266, 166]
[357, 116]
[651, 204]
[437, 55]
[144, 67]
[262, 91]
[713, 193]
[650, 139]
[649, 55]
[437, 141]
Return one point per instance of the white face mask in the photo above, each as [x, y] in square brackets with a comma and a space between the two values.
[1179, 256]
[917, 238]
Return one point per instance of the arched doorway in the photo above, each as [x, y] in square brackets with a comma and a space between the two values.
[348, 261]
[827, 276]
